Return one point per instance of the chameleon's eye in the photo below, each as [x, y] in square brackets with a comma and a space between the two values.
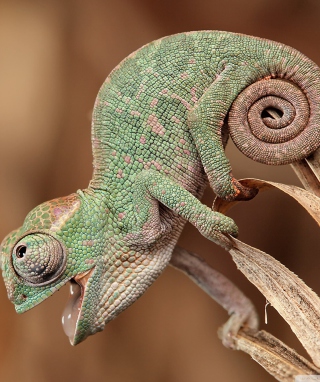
[21, 251]
[38, 258]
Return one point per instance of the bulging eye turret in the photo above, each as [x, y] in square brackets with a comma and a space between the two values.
[38, 258]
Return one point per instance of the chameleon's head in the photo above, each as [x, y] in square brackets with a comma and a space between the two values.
[36, 258]
[61, 242]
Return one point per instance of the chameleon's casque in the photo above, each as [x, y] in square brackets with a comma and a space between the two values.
[160, 123]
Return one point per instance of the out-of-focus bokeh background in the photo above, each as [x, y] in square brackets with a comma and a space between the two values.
[54, 56]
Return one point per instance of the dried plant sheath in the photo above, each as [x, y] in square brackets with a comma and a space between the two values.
[288, 294]
[308, 171]
[292, 298]
[273, 355]
[277, 358]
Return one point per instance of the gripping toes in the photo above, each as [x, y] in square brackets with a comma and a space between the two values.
[214, 224]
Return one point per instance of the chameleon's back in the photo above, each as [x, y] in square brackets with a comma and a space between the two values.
[145, 113]
[140, 115]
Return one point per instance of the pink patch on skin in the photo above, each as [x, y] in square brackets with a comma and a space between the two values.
[184, 75]
[118, 110]
[193, 95]
[156, 165]
[57, 211]
[106, 103]
[88, 243]
[164, 91]
[136, 113]
[121, 215]
[182, 204]
[127, 100]
[175, 119]
[127, 159]
[140, 160]
[141, 90]
[154, 102]
[192, 61]
[114, 153]
[183, 101]
[155, 125]
[186, 152]
[120, 174]
[182, 141]
[142, 139]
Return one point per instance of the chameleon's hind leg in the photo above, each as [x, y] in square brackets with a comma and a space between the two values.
[205, 121]
[152, 187]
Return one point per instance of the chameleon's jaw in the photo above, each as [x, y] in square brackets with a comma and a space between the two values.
[71, 317]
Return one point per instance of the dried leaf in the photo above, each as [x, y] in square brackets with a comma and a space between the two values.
[292, 298]
[277, 358]
[308, 171]
[288, 294]
[274, 356]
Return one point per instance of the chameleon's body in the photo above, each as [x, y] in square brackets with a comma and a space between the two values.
[157, 140]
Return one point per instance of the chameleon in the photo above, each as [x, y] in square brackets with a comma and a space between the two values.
[160, 125]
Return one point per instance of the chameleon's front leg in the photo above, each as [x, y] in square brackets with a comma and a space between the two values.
[152, 187]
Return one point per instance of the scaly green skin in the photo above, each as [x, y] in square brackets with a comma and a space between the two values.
[157, 140]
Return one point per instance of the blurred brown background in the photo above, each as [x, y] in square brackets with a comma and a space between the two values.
[54, 57]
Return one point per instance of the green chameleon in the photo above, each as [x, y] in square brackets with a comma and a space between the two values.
[160, 124]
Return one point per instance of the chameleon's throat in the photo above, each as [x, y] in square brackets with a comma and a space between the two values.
[71, 313]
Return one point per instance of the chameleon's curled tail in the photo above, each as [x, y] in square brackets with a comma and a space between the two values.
[271, 96]
[277, 120]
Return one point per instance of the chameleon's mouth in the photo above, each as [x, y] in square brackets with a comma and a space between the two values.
[72, 311]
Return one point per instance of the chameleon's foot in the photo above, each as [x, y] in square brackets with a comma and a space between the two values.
[243, 192]
[227, 333]
[212, 224]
